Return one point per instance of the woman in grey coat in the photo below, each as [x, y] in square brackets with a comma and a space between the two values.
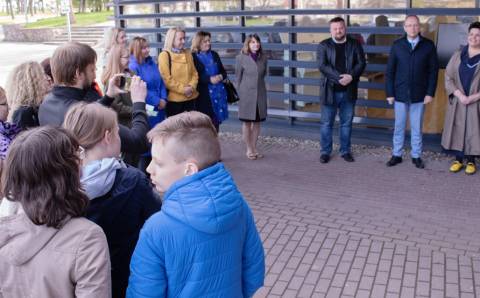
[250, 71]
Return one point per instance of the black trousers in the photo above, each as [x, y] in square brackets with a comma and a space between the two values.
[174, 108]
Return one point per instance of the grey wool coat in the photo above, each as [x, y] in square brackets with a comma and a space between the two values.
[461, 130]
[251, 88]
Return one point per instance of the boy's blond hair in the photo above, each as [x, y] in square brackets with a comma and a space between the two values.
[194, 136]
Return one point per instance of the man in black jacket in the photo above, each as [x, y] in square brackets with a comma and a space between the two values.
[411, 80]
[73, 69]
[341, 62]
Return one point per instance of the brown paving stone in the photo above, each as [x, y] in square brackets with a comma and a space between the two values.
[372, 238]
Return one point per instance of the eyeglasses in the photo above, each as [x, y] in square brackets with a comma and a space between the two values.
[81, 152]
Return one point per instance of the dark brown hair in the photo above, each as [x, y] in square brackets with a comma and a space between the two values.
[47, 68]
[337, 20]
[42, 173]
[70, 58]
[474, 25]
[246, 47]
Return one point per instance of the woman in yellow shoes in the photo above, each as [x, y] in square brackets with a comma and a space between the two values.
[461, 132]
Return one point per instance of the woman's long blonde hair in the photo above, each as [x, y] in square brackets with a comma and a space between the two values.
[26, 86]
[112, 39]
[170, 37]
[113, 63]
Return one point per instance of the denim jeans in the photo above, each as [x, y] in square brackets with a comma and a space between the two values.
[346, 109]
[415, 111]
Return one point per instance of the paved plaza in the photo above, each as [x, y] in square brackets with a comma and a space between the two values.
[360, 229]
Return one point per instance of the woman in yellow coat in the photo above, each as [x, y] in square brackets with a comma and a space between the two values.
[178, 73]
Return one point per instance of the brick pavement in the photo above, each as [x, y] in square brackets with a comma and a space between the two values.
[360, 229]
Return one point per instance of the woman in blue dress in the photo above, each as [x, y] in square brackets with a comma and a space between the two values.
[142, 65]
[213, 95]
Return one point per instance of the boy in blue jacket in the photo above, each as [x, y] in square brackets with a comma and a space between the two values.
[203, 243]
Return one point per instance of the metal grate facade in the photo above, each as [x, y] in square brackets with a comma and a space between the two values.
[290, 41]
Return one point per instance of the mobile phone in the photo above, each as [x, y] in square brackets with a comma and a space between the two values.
[127, 79]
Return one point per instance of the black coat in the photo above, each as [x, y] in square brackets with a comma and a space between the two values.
[203, 103]
[56, 104]
[355, 64]
[25, 117]
[412, 74]
[121, 214]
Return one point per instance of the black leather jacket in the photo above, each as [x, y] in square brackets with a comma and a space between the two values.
[355, 64]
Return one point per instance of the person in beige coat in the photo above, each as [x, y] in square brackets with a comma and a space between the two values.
[250, 72]
[461, 132]
[47, 249]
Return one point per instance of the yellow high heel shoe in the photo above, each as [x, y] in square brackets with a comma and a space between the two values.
[470, 169]
[456, 166]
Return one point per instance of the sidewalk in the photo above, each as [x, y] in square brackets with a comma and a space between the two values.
[360, 229]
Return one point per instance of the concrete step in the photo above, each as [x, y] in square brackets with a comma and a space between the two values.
[87, 35]
[57, 43]
[81, 36]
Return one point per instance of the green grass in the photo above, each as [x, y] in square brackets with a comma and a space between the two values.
[83, 19]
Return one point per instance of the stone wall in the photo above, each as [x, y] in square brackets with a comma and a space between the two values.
[17, 33]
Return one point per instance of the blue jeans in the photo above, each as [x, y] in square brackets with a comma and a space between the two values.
[346, 109]
[415, 111]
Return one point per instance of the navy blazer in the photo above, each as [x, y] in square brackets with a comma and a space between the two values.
[412, 74]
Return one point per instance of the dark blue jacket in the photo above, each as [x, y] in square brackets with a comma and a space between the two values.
[121, 213]
[204, 243]
[412, 74]
[156, 90]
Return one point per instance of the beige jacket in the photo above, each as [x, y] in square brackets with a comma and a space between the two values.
[37, 261]
[461, 130]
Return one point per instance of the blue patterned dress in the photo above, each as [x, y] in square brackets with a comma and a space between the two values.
[217, 92]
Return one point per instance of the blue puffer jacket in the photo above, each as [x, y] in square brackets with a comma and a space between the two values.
[156, 90]
[203, 243]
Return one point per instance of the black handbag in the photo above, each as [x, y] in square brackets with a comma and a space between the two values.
[232, 95]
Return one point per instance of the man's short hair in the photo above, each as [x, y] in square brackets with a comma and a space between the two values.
[412, 16]
[70, 58]
[474, 25]
[193, 136]
[337, 20]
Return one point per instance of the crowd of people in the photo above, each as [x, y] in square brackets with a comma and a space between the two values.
[92, 206]
[120, 192]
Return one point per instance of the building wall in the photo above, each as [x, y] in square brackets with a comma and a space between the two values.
[290, 31]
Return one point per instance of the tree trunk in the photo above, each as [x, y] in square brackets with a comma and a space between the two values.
[30, 7]
[81, 6]
[10, 9]
[72, 15]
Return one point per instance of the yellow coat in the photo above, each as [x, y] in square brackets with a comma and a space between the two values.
[183, 73]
